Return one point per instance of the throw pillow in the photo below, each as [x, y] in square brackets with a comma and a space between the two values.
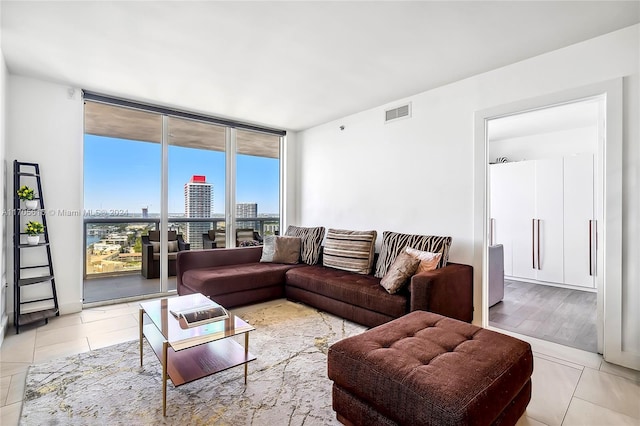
[244, 235]
[287, 250]
[351, 251]
[400, 271]
[311, 242]
[428, 261]
[156, 246]
[268, 248]
[393, 243]
[172, 246]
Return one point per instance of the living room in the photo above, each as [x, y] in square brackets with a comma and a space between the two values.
[349, 170]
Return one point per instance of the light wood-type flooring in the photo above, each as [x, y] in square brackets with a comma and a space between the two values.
[555, 314]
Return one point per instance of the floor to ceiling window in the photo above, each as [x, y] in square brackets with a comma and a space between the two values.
[122, 169]
[153, 176]
[196, 178]
[257, 183]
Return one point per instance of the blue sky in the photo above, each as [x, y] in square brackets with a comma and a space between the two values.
[125, 175]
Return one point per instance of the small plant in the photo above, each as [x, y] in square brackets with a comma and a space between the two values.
[26, 193]
[34, 228]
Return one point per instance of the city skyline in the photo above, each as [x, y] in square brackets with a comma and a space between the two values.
[124, 175]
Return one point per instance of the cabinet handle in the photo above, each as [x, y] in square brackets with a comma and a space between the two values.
[593, 226]
[492, 222]
[539, 245]
[533, 243]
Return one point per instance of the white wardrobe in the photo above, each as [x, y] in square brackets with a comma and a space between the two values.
[543, 213]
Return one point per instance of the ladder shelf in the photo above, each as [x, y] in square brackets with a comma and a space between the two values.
[40, 272]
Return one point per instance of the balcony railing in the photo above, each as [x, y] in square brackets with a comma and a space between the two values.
[116, 249]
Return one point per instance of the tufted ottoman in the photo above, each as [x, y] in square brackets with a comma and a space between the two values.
[426, 369]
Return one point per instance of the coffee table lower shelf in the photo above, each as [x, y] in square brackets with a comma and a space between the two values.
[196, 362]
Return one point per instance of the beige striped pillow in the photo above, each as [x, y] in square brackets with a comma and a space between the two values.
[351, 251]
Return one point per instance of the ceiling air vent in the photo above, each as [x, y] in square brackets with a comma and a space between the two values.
[403, 111]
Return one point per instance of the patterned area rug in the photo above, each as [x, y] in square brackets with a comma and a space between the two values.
[287, 384]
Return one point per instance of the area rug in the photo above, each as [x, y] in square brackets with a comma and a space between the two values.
[287, 384]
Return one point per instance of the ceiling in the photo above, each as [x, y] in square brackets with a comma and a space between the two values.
[556, 118]
[286, 65]
[124, 123]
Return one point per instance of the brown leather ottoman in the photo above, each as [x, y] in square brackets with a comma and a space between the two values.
[426, 369]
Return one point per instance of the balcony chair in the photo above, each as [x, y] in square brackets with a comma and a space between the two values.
[215, 238]
[151, 253]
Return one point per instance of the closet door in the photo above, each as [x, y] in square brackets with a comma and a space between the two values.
[501, 207]
[522, 203]
[549, 219]
[579, 225]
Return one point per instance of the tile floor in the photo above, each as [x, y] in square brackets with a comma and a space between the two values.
[570, 386]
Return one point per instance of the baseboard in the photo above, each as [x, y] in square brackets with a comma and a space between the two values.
[70, 308]
[65, 309]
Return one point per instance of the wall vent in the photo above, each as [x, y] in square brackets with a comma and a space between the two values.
[403, 111]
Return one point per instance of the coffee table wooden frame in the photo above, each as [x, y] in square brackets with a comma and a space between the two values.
[189, 354]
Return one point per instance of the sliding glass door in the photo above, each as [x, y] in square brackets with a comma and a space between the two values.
[122, 169]
[197, 181]
[257, 185]
[158, 182]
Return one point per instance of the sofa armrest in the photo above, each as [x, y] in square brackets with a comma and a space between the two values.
[196, 259]
[147, 260]
[446, 291]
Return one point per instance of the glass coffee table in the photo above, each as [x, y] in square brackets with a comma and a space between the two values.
[189, 354]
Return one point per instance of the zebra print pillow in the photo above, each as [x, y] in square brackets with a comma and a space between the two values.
[393, 243]
[311, 242]
[351, 251]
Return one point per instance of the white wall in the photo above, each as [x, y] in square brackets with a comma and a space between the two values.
[45, 126]
[417, 175]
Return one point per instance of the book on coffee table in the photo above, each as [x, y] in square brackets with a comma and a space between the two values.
[200, 315]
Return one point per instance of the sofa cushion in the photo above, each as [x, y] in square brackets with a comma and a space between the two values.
[359, 290]
[268, 248]
[351, 251]
[428, 261]
[219, 237]
[393, 243]
[233, 278]
[244, 235]
[287, 250]
[311, 242]
[399, 273]
[170, 256]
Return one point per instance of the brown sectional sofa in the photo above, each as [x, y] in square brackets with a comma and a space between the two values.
[235, 277]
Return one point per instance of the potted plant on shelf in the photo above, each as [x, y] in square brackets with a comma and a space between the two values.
[33, 230]
[28, 194]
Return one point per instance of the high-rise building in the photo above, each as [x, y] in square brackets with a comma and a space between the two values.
[247, 210]
[198, 203]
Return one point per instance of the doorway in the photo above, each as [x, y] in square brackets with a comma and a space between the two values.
[544, 212]
[613, 311]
